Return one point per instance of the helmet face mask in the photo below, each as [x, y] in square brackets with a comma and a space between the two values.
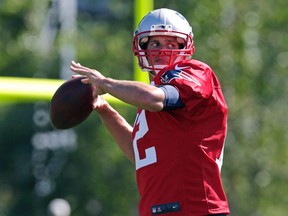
[162, 22]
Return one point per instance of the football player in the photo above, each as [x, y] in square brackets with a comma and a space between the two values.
[177, 140]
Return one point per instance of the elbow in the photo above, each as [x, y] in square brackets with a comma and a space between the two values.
[153, 102]
[156, 107]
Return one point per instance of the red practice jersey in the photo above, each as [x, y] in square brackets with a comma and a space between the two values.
[178, 153]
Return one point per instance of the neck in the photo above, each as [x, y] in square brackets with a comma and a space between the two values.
[152, 74]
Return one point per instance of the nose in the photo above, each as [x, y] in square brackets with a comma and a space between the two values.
[163, 51]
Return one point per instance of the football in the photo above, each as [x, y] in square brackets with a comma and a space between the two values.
[71, 104]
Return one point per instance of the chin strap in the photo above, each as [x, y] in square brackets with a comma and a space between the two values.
[152, 73]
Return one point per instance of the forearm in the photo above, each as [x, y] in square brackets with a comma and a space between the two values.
[138, 94]
[119, 128]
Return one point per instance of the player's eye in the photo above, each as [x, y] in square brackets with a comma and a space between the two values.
[158, 45]
[154, 44]
[171, 46]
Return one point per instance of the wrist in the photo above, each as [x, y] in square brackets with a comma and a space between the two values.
[99, 104]
[102, 108]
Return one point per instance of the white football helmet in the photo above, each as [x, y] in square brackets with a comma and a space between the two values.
[164, 22]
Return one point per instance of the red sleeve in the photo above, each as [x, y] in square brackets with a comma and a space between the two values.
[193, 79]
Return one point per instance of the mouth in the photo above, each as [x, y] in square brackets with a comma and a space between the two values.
[161, 61]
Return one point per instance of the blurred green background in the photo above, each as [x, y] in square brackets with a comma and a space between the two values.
[245, 42]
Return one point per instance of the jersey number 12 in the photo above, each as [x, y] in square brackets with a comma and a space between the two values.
[150, 153]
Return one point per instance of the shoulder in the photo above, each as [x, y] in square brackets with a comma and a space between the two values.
[184, 70]
[188, 65]
[197, 64]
